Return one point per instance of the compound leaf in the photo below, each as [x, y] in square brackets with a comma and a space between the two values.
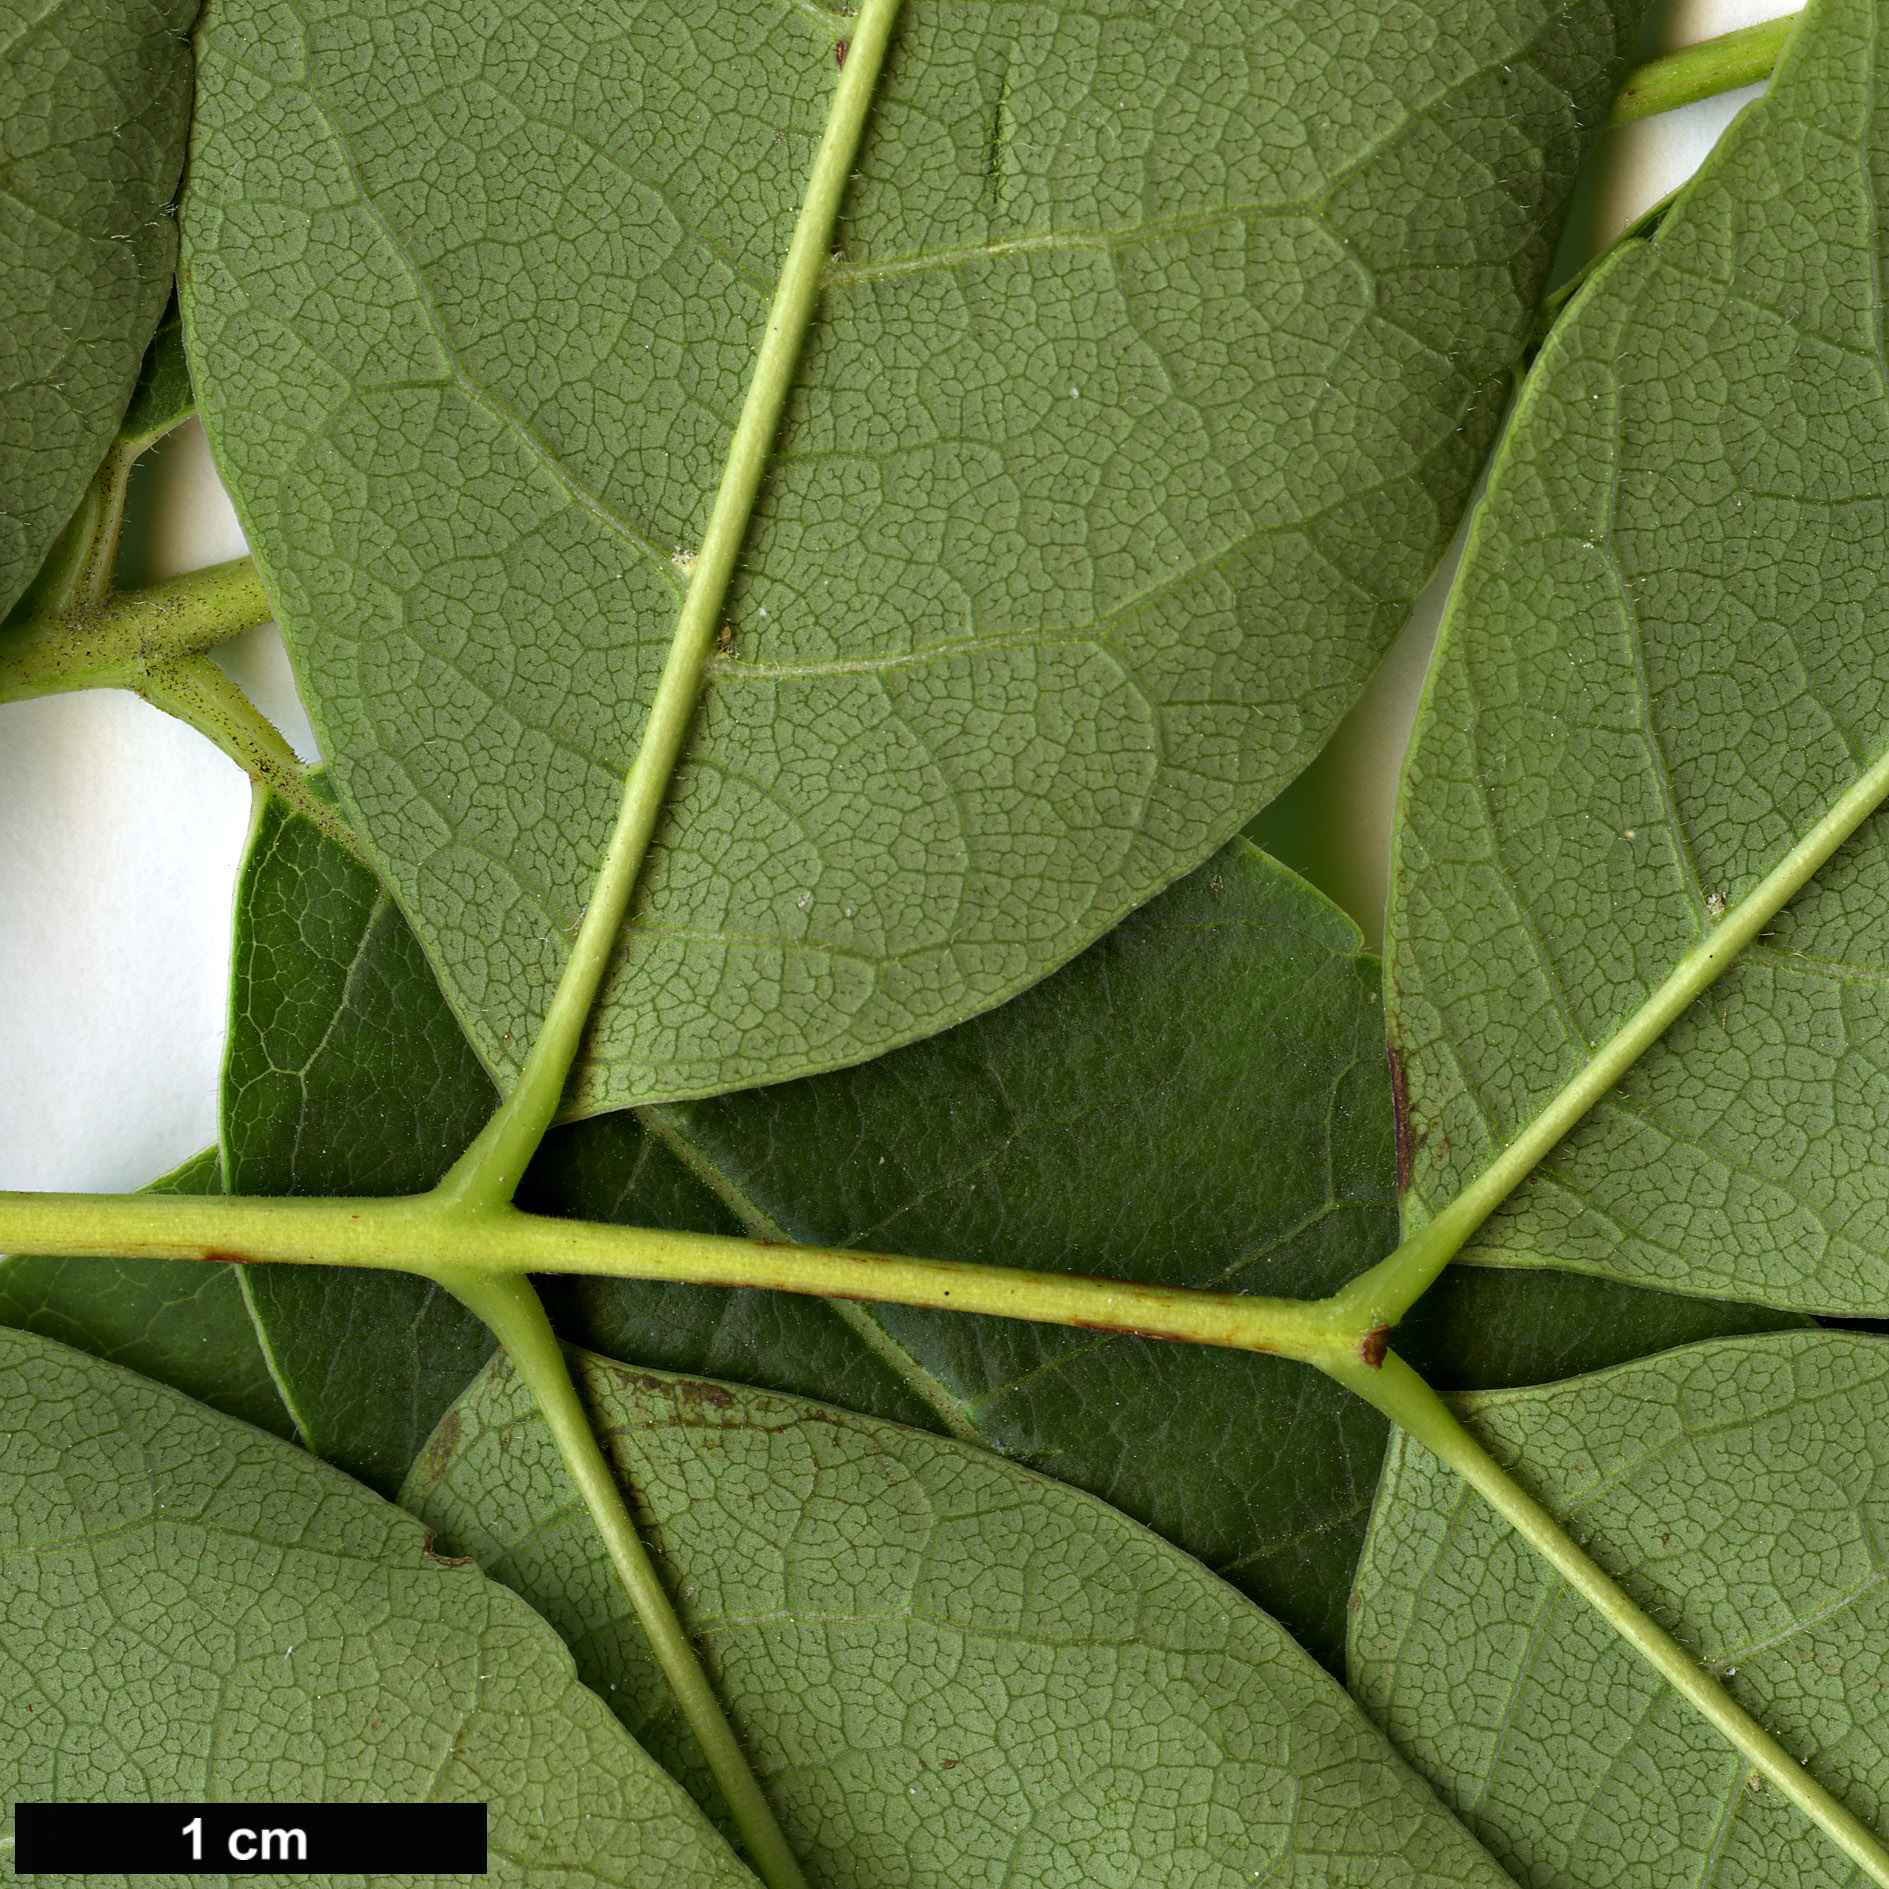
[946, 1670]
[1737, 1491]
[1154, 371]
[194, 1610]
[1233, 1013]
[1663, 660]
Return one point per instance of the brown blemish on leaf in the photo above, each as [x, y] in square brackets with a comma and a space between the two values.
[1374, 1345]
[1400, 1110]
[444, 1560]
[437, 1457]
[839, 53]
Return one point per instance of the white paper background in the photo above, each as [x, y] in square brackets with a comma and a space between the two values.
[121, 830]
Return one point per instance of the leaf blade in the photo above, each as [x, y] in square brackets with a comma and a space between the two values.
[206, 1559]
[896, 894]
[1724, 1486]
[1660, 612]
[96, 101]
[821, 1552]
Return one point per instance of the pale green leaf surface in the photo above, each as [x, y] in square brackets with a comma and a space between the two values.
[1153, 372]
[193, 1610]
[946, 1670]
[1664, 658]
[990, 1142]
[94, 107]
[1200, 1099]
[1739, 1491]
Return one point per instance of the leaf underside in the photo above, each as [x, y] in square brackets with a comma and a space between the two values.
[1147, 386]
[1737, 1491]
[197, 1611]
[948, 1672]
[996, 1141]
[1664, 658]
[94, 109]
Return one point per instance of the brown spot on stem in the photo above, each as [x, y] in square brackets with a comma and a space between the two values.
[1373, 1346]
[839, 53]
[226, 1259]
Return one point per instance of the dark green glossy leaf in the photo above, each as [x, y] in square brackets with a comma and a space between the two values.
[1158, 362]
[193, 1610]
[1200, 1099]
[94, 106]
[335, 1082]
[948, 1673]
[163, 397]
[1485, 1328]
[345, 1074]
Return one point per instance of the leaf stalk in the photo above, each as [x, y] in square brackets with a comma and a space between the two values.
[152, 642]
[1725, 64]
[438, 1238]
[109, 642]
[1403, 1396]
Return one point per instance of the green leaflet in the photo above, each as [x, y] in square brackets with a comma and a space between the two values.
[1736, 1489]
[1022, 1138]
[94, 107]
[196, 1610]
[1200, 1099]
[948, 1671]
[344, 1075]
[1150, 379]
[986, 1143]
[1663, 659]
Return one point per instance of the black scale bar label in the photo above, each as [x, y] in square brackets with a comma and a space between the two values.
[250, 1839]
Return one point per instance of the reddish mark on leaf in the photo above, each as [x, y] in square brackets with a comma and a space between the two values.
[1374, 1345]
[839, 54]
[444, 1560]
[686, 1392]
[438, 1455]
[1400, 1109]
